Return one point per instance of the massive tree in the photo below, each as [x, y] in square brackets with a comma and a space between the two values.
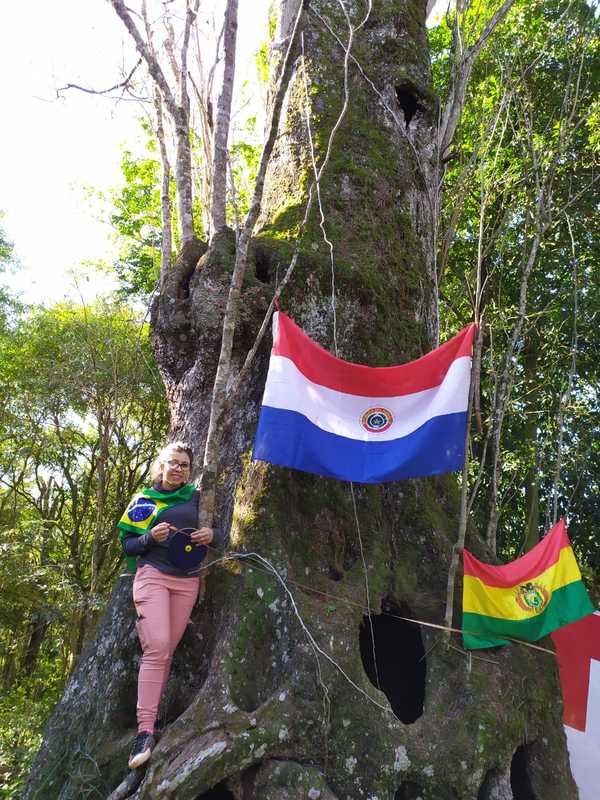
[313, 666]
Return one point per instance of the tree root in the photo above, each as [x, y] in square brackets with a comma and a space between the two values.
[129, 784]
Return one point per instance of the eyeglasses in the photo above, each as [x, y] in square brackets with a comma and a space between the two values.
[182, 465]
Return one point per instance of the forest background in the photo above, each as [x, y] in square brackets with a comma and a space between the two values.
[84, 406]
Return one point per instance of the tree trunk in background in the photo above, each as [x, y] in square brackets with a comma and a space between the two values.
[39, 628]
[220, 152]
[254, 706]
[532, 477]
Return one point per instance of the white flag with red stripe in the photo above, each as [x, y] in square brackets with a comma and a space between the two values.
[578, 653]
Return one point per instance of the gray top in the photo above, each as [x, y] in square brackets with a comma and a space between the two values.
[181, 515]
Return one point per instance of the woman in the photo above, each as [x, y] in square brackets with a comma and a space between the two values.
[164, 594]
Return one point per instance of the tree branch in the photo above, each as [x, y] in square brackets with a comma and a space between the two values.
[146, 53]
[462, 72]
[219, 182]
[231, 312]
[123, 85]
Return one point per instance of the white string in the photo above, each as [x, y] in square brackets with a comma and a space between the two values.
[367, 592]
[312, 590]
[381, 98]
[296, 253]
[310, 637]
[313, 644]
[319, 172]
[317, 175]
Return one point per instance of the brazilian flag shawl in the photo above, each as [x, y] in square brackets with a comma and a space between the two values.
[144, 509]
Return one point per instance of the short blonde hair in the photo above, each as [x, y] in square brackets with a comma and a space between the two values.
[168, 450]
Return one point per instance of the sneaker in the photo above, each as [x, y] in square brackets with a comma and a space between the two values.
[141, 749]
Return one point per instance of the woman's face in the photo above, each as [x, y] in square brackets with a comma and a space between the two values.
[176, 470]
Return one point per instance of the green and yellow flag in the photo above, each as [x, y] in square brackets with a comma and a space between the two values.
[526, 599]
[144, 508]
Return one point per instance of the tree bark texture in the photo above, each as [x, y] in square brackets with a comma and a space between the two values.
[178, 110]
[259, 704]
[166, 244]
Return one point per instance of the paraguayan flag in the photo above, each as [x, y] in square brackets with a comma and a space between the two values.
[368, 424]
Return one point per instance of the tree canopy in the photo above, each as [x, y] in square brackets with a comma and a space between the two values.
[83, 410]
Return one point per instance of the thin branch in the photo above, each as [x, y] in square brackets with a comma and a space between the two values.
[463, 66]
[165, 199]
[232, 391]
[144, 50]
[219, 183]
[565, 397]
[231, 312]
[123, 85]
[463, 515]
[179, 112]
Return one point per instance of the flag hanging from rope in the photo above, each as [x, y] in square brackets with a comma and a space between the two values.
[526, 599]
[357, 423]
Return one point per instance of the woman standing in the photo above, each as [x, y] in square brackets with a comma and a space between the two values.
[164, 594]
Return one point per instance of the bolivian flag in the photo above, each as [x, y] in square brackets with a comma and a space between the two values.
[526, 599]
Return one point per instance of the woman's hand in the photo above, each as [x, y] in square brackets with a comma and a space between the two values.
[160, 532]
[203, 536]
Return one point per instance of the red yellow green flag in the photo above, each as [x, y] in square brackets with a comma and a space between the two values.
[526, 599]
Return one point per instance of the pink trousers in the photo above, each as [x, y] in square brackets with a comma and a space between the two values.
[163, 604]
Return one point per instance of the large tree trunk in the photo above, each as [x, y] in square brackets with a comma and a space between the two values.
[256, 705]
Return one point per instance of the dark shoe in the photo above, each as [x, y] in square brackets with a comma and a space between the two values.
[141, 749]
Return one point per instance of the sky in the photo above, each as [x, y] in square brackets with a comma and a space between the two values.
[52, 148]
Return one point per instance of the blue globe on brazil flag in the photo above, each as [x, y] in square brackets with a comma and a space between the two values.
[141, 509]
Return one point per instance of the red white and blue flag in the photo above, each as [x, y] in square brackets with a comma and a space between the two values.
[367, 424]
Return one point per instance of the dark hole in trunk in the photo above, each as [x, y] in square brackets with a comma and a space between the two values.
[394, 660]
[408, 791]
[408, 99]
[520, 782]
[218, 792]
[262, 266]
